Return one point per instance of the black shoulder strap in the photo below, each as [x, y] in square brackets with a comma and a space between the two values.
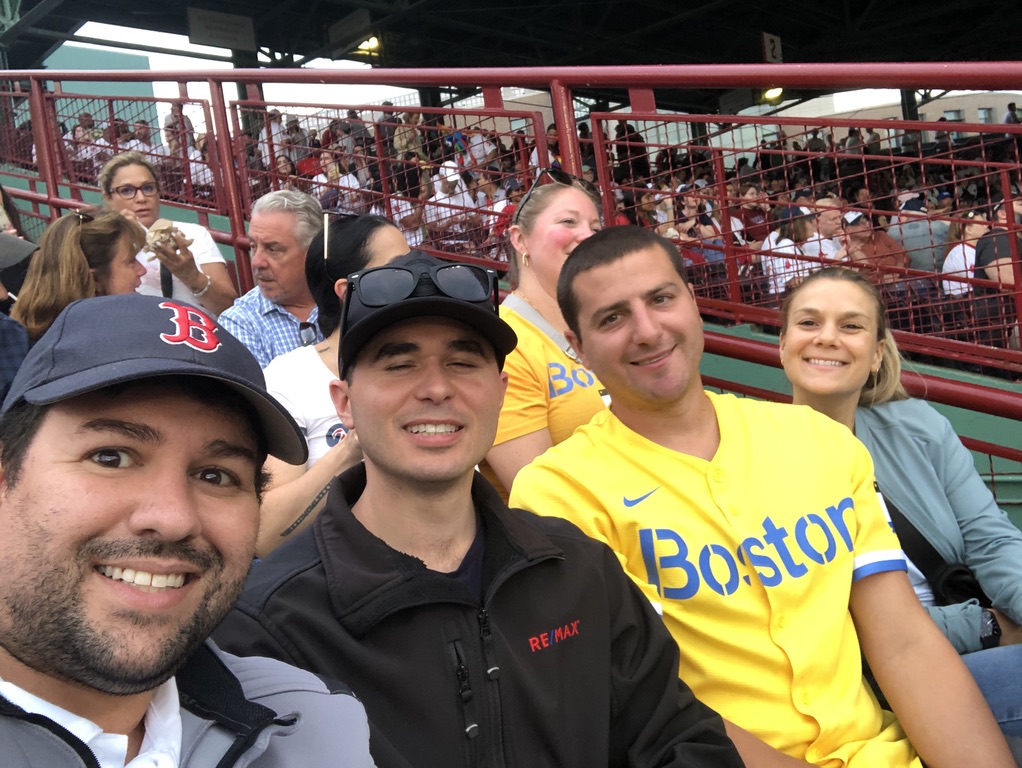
[166, 282]
[913, 543]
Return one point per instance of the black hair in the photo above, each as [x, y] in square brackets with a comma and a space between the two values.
[349, 239]
[604, 247]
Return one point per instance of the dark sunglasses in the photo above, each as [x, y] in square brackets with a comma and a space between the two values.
[382, 286]
[557, 176]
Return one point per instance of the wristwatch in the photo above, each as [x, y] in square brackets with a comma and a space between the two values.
[989, 629]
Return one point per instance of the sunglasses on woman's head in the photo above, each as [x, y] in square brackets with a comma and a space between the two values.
[557, 176]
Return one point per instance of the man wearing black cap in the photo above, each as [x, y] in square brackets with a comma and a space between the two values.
[475, 634]
[130, 476]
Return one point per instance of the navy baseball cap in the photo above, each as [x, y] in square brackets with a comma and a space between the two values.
[419, 285]
[95, 343]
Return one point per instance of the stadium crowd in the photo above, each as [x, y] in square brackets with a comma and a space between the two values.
[383, 406]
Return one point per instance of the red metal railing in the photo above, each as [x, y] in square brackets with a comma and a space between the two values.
[928, 320]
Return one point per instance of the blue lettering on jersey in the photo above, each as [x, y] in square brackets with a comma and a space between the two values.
[561, 381]
[771, 558]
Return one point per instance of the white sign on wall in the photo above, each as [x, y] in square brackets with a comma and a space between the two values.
[221, 30]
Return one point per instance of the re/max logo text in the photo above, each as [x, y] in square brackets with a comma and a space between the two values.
[554, 636]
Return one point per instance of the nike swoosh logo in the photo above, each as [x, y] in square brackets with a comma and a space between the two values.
[632, 502]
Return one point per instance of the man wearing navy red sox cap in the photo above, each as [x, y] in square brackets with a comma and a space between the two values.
[131, 447]
[474, 634]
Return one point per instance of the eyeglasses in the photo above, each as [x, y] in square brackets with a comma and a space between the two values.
[326, 237]
[128, 191]
[381, 286]
[557, 176]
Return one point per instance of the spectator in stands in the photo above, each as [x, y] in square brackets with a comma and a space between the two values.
[271, 138]
[142, 142]
[826, 243]
[922, 237]
[287, 175]
[132, 443]
[911, 142]
[450, 214]
[843, 362]
[550, 392]
[776, 575]
[960, 261]
[552, 148]
[295, 141]
[406, 208]
[190, 268]
[279, 314]
[437, 602]
[783, 259]
[300, 379]
[179, 125]
[819, 165]
[482, 153]
[1011, 116]
[360, 134]
[872, 141]
[86, 253]
[190, 162]
[874, 249]
[385, 128]
[994, 307]
[753, 213]
[346, 192]
[942, 138]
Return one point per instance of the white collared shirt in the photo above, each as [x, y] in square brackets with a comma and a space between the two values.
[161, 745]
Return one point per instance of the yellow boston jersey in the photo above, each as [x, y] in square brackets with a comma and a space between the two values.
[750, 558]
[546, 389]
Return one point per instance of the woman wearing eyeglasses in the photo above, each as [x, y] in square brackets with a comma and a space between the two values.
[194, 272]
[300, 379]
[550, 392]
[82, 254]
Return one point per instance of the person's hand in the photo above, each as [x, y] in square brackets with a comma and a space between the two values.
[176, 256]
[1011, 633]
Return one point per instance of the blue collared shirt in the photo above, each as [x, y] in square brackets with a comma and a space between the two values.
[265, 328]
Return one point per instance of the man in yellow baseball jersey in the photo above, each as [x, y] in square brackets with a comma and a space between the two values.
[755, 529]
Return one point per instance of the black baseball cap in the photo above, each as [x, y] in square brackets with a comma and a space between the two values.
[419, 285]
[98, 342]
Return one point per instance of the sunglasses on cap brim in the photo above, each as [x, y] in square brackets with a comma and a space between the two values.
[382, 286]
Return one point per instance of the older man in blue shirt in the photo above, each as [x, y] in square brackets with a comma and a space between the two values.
[279, 314]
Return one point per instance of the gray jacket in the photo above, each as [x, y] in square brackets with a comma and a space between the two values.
[925, 470]
[234, 712]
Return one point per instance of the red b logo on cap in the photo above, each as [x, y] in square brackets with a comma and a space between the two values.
[194, 328]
